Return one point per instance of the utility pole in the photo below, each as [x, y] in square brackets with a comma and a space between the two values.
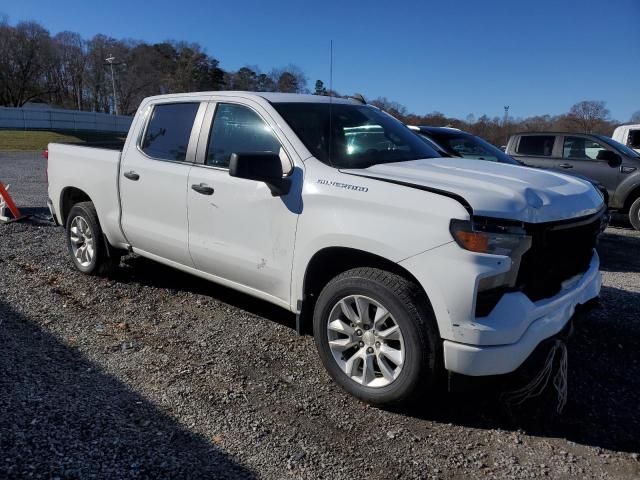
[110, 60]
[506, 122]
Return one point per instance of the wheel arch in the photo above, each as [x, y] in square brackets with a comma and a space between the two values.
[68, 198]
[632, 196]
[329, 262]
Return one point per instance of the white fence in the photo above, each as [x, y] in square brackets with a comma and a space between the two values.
[57, 119]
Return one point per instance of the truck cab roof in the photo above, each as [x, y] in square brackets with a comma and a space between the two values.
[271, 97]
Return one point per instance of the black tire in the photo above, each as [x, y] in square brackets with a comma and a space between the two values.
[101, 263]
[411, 312]
[634, 214]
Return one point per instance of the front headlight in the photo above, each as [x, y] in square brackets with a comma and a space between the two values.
[495, 239]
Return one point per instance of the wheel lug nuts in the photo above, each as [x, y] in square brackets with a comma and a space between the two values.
[378, 344]
[359, 332]
[361, 344]
[369, 350]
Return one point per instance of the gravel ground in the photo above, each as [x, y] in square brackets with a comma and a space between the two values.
[151, 373]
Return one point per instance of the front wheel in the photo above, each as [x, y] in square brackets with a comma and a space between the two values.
[634, 214]
[376, 335]
[85, 243]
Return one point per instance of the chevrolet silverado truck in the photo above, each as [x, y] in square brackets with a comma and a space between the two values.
[404, 265]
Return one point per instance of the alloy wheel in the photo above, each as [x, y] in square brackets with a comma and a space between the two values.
[365, 341]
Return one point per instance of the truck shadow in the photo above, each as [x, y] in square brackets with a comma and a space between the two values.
[603, 382]
[135, 269]
[61, 416]
[604, 366]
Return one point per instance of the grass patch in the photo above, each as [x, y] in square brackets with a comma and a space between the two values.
[26, 140]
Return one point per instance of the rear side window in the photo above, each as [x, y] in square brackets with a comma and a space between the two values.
[634, 138]
[238, 129]
[169, 129]
[536, 145]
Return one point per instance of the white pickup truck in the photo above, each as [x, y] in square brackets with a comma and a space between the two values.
[628, 135]
[403, 264]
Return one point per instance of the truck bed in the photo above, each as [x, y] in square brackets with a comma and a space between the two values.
[92, 169]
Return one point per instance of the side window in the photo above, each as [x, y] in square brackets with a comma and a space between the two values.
[238, 129]
[536, 145]
[467, 148]
[369, 139]
[168, 131]
[581, 148]
[634, 138]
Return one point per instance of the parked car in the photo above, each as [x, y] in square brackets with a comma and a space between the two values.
[453, 142]
[402, 264]
[628, 135]
[600, 158]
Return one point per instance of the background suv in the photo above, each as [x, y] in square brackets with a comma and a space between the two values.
[597, 157]
[452, 142]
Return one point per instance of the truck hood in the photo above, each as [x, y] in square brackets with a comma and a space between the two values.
[496, 189]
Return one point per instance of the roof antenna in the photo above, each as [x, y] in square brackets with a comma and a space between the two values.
[330, 99]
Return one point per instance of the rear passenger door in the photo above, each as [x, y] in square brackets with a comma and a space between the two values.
[153, 181]
[537, 150]
[581, 154]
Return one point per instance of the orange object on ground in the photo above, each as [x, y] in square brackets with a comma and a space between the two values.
[7, 202]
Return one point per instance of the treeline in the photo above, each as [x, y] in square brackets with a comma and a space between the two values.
[588, 116]
[68, 71]
[71, 72]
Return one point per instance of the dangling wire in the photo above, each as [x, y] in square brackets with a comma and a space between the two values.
[539, 383]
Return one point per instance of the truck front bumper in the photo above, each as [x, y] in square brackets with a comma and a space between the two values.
[545, 319]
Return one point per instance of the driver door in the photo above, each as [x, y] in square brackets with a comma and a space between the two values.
[580, 154]
[238, 231]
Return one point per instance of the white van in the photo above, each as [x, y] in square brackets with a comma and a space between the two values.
[628, 135]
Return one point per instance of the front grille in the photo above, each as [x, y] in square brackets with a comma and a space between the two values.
[559, 251]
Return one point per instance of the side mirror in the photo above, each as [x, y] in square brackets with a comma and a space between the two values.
[262, 167]
[612, 158]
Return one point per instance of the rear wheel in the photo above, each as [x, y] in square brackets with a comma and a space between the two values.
[376, 335]
[634, 214]
[86, 243]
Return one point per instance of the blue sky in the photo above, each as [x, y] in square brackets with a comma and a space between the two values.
[457, 57]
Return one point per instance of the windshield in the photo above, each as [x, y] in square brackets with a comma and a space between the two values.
[470, 146]
[356, 136]
[619, 146]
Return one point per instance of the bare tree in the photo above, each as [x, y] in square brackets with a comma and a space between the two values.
[393, 108]
[25, 55]
[635, 118]
[588, 113]
[69, 70]
[289, 79]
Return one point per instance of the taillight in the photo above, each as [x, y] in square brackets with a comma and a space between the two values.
[45, 154]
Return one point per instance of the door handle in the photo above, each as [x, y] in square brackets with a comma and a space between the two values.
[131, 175]
[565, 165]
[203, 189]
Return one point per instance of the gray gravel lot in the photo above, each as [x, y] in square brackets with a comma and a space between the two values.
[152, 373]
